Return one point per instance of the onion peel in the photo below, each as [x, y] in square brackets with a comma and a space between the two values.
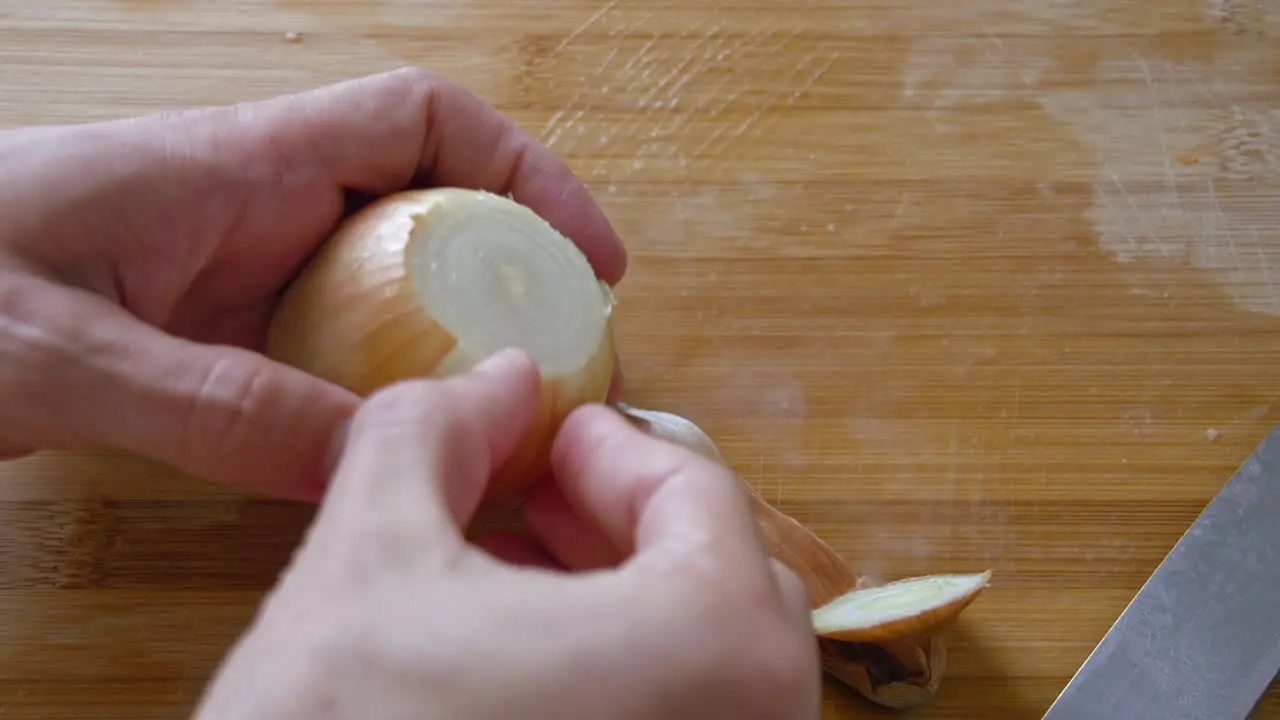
[888, 642]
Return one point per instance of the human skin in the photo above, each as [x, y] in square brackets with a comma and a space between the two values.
[142, 259]
[140, 262]
[389, 612]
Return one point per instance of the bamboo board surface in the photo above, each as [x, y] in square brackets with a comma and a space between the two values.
[957, 285]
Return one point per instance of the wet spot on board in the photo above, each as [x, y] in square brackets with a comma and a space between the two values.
[1257, 18]
[1143, 115]
[1149, 204]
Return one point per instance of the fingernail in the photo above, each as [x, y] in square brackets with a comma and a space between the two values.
[501, 362]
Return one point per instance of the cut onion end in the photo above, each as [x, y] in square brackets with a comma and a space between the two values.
[493, 274]
[427, 283]
[900, 609]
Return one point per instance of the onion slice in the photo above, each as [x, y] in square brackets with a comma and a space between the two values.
[903, 608]
[426, 283]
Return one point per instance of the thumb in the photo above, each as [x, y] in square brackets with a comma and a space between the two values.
[419, 453]
[79, 372]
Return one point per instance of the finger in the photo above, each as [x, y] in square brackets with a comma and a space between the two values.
[571, 537]
[650, 496]
[78, 372]
[420, 453]
[795, 596]
[515, 549]
[381, 133]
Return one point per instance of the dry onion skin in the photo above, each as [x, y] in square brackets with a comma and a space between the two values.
[426, 283]
[886, 641]
[672, 428]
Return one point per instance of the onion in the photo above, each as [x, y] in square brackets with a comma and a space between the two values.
[906, 621]
[900, 609]
[426, 283]
[671, 428]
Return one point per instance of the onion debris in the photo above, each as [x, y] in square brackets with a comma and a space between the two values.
[887, 641]
[898, 609]
[672, 428]
[427, 283]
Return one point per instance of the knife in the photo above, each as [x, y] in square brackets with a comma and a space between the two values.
[1201, 639]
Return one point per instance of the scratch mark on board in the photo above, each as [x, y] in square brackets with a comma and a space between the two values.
[1145, 205]
[1160, 132]
[594, 18]
[801, 75]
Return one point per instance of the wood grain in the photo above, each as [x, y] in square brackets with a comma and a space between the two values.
[958, 285]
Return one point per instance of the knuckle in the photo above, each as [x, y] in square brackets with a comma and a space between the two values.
[780, 664]
[790, 660]
[230, 393]
[757, 646]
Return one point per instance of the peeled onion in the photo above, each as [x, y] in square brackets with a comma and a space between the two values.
[426, 283]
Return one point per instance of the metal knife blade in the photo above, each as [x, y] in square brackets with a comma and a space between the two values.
[1201, 639]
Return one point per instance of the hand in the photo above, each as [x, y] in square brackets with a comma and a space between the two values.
[644, 594]
[140, 262]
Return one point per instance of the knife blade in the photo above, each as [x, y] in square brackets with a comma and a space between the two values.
[1201, 638]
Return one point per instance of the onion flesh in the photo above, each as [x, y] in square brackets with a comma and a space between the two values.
[426, 283]
[902, 608]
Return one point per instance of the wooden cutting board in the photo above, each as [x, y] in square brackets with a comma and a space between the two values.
[958, 285]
